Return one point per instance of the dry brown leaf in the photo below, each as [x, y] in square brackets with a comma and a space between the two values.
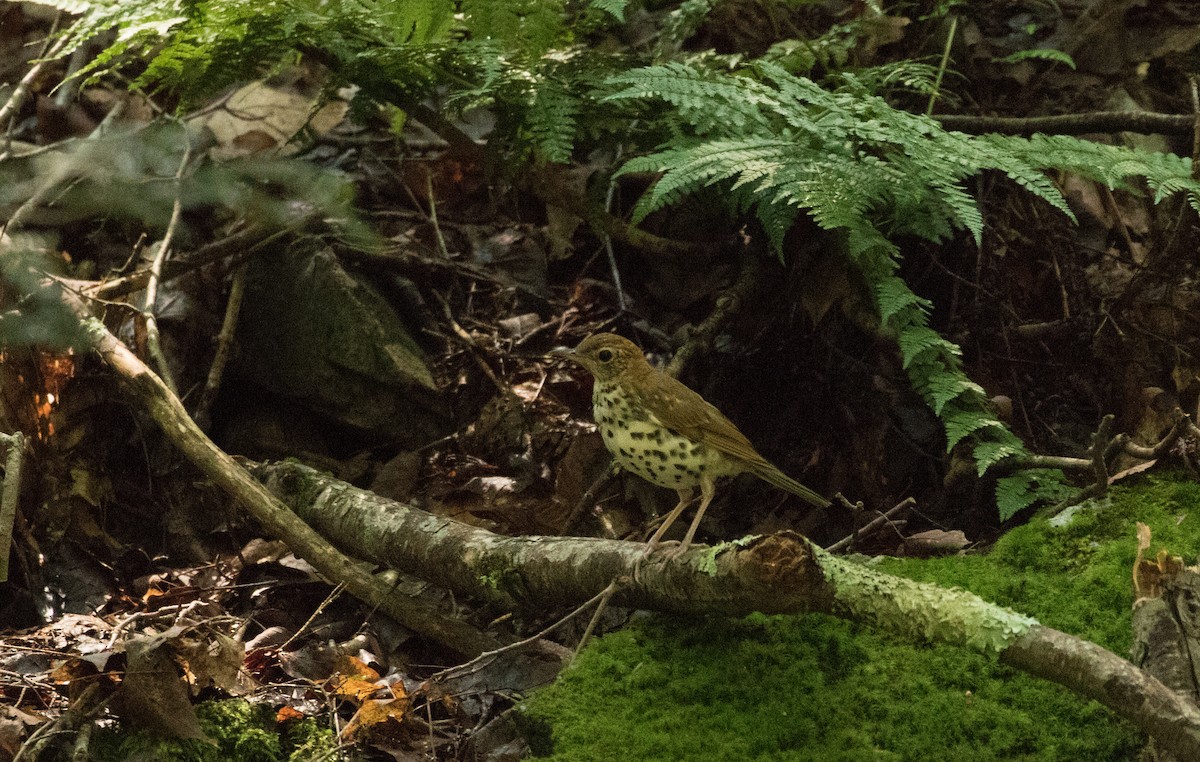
[376, 716]
[215, 661]
[152, 695]
[259, 118]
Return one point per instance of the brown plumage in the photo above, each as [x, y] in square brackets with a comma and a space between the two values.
[666, 433]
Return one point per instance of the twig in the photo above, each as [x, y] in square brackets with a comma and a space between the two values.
[1182, 424]
[21, 92]
[153, 342]
[1120, 443]
[874, 524]
[329, 599]
[233, 246]
[1103, 446]
[937, 82]
[472, 347]
[605, 596]
[586, 499]
[1110, 201]
[69, 87]
[216, 371]
[433, 218]
[607, 240]
[1072, 124]
[486, 658]
[10, 495]
[728, 304]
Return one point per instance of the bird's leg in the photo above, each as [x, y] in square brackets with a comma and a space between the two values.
[685, 499]
[708, 488]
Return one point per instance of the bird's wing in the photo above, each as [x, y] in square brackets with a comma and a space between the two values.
[679, 408]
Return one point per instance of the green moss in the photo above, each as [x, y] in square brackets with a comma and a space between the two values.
[816, 688]
[306, 740]
[241, 731]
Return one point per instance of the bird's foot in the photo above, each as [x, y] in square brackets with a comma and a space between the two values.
[677, 551]
[671, 554]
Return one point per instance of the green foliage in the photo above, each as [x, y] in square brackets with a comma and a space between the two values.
[816, 688]
[551, 120]
[1020, 490]
[202, 46]
[806, 689]
[614, 8]
[131, 176]
[1040, 54]
[40, 318]
[494, 53]
[241, 731]
[681, 24]
[531, 26]
[781, 144]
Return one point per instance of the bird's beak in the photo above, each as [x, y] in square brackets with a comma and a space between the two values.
[566, 352]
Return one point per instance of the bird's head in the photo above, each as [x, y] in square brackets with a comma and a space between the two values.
[605, 355]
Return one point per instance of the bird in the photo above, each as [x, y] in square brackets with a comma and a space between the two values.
[666, 433]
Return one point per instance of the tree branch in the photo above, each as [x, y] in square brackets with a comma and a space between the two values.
[1072, 124]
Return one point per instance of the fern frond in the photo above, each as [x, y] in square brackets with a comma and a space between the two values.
[893, 295]
[710, 102]
[1024, 488]
[961, 423]
[919, 340]
[988, 454]
[614, 8]
[551, 121]
[530, 26]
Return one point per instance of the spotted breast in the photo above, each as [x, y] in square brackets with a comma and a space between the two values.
[643, 445]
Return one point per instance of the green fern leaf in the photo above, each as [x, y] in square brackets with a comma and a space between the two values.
[1024, 488]
[614, 8]
[961, 423]
[919, 340]
[988, 454]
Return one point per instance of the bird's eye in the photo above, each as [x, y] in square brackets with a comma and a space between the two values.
[604, 355]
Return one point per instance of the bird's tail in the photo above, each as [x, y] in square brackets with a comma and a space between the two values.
[774, 476]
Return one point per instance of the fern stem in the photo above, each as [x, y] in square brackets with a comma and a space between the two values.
[608, 246]
[937, 82]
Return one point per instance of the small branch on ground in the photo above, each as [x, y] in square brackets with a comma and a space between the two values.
[21, 92]
[1105, 446]
[216, 372]
[153, 341]
[1072, 124]
[10, 495]
[237, 247]
[884, 518]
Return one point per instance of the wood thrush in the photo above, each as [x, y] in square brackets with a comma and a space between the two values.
[666, 433]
